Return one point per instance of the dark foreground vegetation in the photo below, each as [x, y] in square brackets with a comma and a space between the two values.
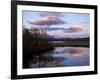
[33, 47]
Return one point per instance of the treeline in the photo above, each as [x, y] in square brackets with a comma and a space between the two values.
[68, 39]
[33, 47]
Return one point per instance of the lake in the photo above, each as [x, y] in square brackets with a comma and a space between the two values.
[62, 57]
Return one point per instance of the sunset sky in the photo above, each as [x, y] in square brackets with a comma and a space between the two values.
[59, 24]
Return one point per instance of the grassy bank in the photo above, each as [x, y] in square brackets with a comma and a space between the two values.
[73, 43]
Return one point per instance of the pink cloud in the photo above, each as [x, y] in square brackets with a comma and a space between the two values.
[64, 34]
[51, 20]
[74, 28]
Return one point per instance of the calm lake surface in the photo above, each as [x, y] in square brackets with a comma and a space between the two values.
[63, 56]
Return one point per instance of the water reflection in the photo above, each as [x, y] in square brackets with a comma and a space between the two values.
[63, 56]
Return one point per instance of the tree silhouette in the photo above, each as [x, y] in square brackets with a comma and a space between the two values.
[34, 46]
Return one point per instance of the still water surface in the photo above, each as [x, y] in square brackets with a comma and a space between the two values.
[63, 56]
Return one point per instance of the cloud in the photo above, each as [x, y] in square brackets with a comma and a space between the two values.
[63, 34]
[70, 31]
[50, 20]
[56, 14]
[74, 28]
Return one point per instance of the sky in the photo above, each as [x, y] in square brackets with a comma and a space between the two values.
[59, 24]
